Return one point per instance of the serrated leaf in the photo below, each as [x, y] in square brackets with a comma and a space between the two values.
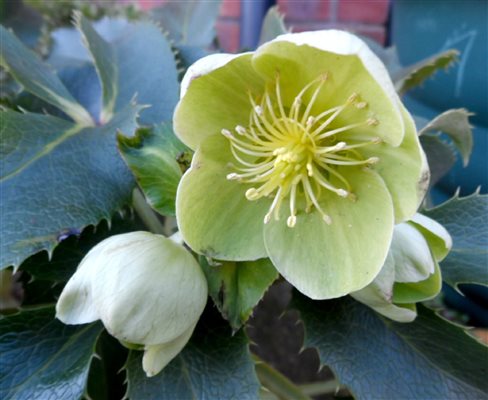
[376, 358]
[105, 62]
[68, 254]
[189, 22]
[273, 25]
[440, 156]
[152, 156]
[466, 219]
[37, 78]
[57, 178]
[213, 365]
[455, 123]
[141, 56]
[43, 358]
[413, 75]
[237, 287]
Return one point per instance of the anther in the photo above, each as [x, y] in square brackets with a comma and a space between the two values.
[310, 121]
[227, 133]
[327, 219]
[309, 169]
[372, 121]
[252, 194]
[258, 110]
[377, 140]
[361, 105]
[340, 146]
[240, 130]
[291, 221]
[342, 192]
[267, 218]
[373, 160]
[352, 98]
[233, 176]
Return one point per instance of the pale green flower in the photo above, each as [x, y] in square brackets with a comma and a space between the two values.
[304, 154]
[411, 272]
[147, 290]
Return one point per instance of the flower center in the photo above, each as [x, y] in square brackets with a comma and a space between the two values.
[288, 153]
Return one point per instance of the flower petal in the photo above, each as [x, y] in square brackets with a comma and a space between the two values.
[156, 357]
[327, 261]
[214, 216]
[439, 240]
[76, 303]
[411, 254]
[406, 293]
[299, 63]
[404, 170]
[158, 294]
[216, 100]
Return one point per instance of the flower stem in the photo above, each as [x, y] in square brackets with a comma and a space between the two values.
[146, 213]
[277, 383]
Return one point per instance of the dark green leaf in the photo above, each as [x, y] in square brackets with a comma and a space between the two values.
[213, 365]
[152, 156]
[190, 22]
[37, 78]
[57, 178]
[237, 287]
[43, 358]
[377, 358]
[413, 75]
[273, 25]
[68, 254]
[455, 124]
[466, 219]
[440, 155]
[106, 379]
[105, 62]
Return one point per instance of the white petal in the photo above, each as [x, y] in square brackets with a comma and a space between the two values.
[156, 357]
[396, 313]
[76, 303]
[204, 66]
[412, 255]
[345, 43]
[148, 289]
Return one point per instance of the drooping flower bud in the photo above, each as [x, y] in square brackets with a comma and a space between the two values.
[146, 289]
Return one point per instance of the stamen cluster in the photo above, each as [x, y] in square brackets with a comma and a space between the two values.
[290, 153]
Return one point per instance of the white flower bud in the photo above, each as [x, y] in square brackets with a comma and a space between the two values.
[146, 290]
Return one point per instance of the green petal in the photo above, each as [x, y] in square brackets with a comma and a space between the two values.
[214, 216]
[403, 169]
[327, 261]
[299, 65]
[217, 100]
[439, 240]
[418, 291]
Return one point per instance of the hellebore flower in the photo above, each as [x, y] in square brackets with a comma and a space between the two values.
[304, 154]
[147, 290]
[411, 272]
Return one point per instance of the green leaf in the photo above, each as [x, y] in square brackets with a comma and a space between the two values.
[466, 219]
[273, 25]
[68, 254]
[152, 155]
[440, 156]
[37, 78]
[105, 62]
[377, 358]
[213, 365]
[237, 287]
[413, 75]
[455, 123]
[57, 178]
[43, 358]
[190, 22]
